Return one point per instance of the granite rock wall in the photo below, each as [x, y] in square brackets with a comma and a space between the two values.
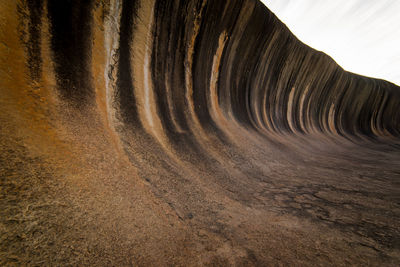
[161, 132]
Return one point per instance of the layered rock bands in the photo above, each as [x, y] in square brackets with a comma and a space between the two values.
[188, 132]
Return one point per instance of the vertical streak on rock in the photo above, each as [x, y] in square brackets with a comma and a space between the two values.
[148, 88]
[71, 43]
[33, 41]
[301, 111]
[215, 109]
[111, 30]
[111, 39]
[236, 34]
[141, 65]
[170, 104]
[125, 93]
[111, 45]
[380, 113]
[309, 122]
[189, 68]
[277, 121]
[169, 27]
[331, 119]
[289, 112]
[265, 105]
[48, 81]
[259, 103]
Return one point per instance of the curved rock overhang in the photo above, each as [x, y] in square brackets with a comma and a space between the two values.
[156, 132]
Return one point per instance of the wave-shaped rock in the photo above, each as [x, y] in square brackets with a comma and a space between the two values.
[155, 132]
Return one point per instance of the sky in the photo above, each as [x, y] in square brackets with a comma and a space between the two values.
[362, 36]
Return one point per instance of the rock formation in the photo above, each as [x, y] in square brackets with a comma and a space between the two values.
[189, 133]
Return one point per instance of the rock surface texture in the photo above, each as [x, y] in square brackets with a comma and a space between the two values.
[188, 133]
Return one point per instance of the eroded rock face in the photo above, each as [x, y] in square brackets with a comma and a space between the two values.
[188, 133]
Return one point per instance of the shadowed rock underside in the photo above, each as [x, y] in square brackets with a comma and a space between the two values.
[189, 133]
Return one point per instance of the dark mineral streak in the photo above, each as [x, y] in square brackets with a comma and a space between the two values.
[188, 133]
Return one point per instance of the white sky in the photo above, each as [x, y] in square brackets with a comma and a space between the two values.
[362, 36]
